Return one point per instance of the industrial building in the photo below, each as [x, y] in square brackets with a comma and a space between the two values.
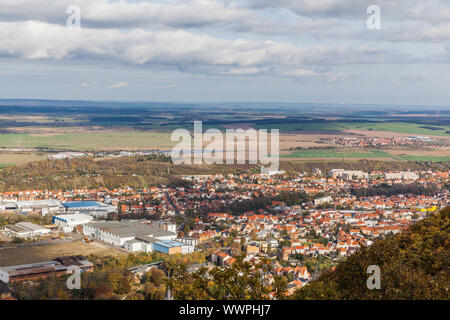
[8, 206]
[68, 222]
[172, 247]
[405, 175]
[150, 244]
[42, 207]
[347, 174]
[92, 208]
[189, 241]
[135, 236]
[322, 200]
[42, 270]
[165, 226]
[117, 233]
[25, 230]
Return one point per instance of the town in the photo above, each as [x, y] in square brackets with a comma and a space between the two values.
[413, 141]
[303, 222]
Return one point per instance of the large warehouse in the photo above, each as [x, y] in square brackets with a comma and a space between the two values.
[25, 230]
[135, 236]
[43, 207]
[171, 247]
[117, 233]
[69, 221]
[41, 270]
[93, 208]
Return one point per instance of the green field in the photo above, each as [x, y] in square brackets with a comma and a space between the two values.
[319, 154]
[400, 127]
[424, 158]
[302, 126]
[336, 126]
[89, 141]
[370, 154]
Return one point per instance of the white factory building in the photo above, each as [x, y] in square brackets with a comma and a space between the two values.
[25, 230]
[42, 206]
[347, 174]
[117, 233]
[405, 175]
[68, 222]
[323, 200]
[135, 236]
[93, 208]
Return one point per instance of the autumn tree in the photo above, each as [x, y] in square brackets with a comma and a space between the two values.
[241, 281]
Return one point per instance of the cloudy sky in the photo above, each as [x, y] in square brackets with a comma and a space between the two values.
[226, 50]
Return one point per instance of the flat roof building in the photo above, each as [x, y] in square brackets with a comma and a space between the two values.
[135, 236]
[93, 208]
[69, 221]
[25, 230]
[172, 247]
[42, 206]
[41, 270]
[118, 232]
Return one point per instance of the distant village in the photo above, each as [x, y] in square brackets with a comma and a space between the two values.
[104, 154]
[380, 142]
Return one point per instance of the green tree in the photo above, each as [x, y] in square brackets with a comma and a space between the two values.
[239, 282]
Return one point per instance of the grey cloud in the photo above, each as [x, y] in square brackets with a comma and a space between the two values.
[121, 14]
[320, 19]
[182, 49]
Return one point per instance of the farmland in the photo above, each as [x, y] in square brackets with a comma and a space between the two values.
[89, 141]
[334, 153]
[49, 126]
[328, 127]
[10, 159]
[425, 158]
[348, 153]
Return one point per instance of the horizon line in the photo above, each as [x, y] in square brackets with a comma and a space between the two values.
[223, 102]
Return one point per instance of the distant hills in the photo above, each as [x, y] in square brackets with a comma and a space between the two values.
[414, 265]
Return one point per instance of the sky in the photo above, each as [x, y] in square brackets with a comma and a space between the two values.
[227, 50]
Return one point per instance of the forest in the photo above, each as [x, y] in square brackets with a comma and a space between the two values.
[69, 174]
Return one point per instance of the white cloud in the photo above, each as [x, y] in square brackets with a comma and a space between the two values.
[124, 14]
[419, 33]
[300, 39]
[118, 85]
[179, 49]
[314, 7]
[315, 18]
